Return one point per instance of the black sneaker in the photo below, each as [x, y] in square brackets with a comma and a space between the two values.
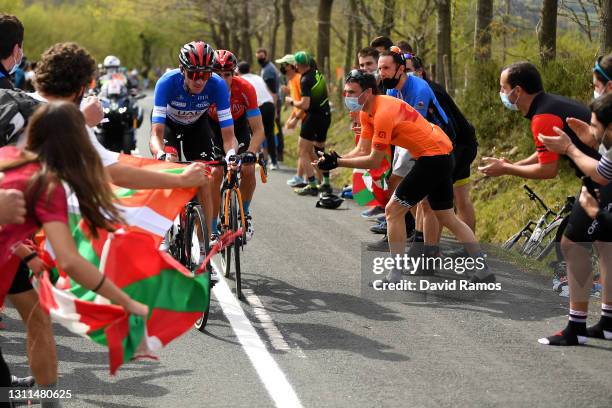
[597, 331]
[456, 253]
[490, 278]
[308, 190]
[381, 246]
[563, 338]
[380, 228]
[325, 188]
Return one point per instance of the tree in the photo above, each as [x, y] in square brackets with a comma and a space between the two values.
[444, 73]
[288, 20]
[482, 35]
[547, 34]
[606, 27]
[388, 18]
[323, 34]
[350, 46]
[274, 30]
[246, 51]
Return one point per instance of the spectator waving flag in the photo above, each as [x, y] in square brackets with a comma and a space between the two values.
[131, 259]
[176, 299]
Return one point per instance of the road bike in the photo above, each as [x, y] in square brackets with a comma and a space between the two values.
[233, 218]
[537, 238]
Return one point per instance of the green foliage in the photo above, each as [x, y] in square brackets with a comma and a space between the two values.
[105, 27]
[501, 207]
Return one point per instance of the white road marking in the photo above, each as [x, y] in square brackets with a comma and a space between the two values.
[268, 370]
[267, 324]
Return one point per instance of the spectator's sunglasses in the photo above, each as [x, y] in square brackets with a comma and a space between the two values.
[197, 74]
[600, 70]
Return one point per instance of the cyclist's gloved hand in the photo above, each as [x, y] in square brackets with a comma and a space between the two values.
[249, 158]
[230, 156]
[170, 154]
[328, 161]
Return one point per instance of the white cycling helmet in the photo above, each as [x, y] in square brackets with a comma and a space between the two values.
[112, 62]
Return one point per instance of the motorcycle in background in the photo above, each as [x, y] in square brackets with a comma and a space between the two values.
[122, 116]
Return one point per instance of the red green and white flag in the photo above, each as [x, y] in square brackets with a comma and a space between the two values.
[132, 260]
[370, 187]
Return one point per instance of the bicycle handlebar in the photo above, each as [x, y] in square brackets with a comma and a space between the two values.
[533, 196]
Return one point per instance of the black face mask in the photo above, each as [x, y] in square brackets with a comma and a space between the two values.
[79, 99]
[283, 70]
[261, 61]
[390, 83]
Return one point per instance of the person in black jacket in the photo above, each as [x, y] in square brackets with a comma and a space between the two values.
[466, 144]
[11, 48]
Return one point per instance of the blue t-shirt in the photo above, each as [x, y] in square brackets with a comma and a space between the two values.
[174, 102]
[417, 93]
[271, 77]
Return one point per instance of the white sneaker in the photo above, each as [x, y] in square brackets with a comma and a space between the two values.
[273, 166]
[250, 231]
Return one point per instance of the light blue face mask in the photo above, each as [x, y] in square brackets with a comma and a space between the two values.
[17, 64]
[506, 101]
[352, 103]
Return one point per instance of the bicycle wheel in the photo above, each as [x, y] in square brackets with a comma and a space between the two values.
[196, 243]
[196, 249]
[235, 222]
[227, 252]
[547, 241]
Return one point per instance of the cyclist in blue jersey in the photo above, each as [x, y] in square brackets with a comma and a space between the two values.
[182, 98]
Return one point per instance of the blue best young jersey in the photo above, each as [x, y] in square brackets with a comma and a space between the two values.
[174, 102]
[417, 93]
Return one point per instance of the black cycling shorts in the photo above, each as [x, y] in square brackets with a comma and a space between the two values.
[196, 139]
[464, 156]
[21, 282]
[242, 131]
[315, 126]
[431, 177]
[582, 228]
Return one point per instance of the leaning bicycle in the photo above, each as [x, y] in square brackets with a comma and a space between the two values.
[537, 238]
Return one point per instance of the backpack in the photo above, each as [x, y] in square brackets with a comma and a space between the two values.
[15, 109]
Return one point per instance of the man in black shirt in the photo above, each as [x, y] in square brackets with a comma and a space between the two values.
[466, 144]
[316, 122]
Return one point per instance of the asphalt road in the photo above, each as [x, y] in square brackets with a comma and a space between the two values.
[322, 338]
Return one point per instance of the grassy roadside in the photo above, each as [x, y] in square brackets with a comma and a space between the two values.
[502, 207]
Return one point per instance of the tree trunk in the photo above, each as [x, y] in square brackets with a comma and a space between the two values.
[388, 22]
[323, 34]
[350, 48]
[444, 55]
[288, 20]
[358, 29]
[505, 20]
[482, 35]
[146, 52]
[273, 34]
[547, 35]
[606, 27]
[247, 50]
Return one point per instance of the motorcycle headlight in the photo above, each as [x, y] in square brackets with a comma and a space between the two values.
[106, 110]
[122, 110]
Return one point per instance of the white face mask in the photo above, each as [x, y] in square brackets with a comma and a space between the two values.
[17, 63]
[596, 94]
